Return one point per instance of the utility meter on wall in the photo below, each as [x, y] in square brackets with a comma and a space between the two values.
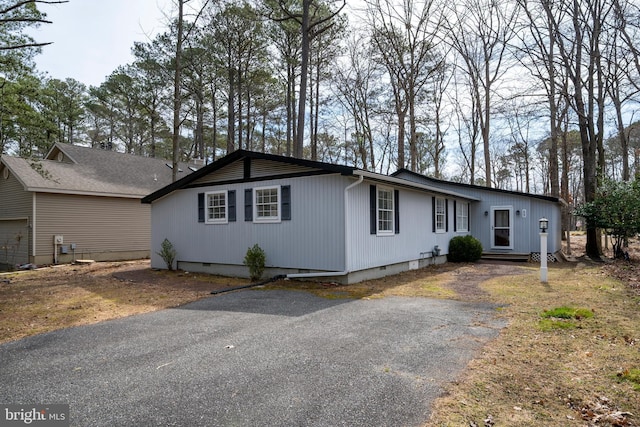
[58, 240]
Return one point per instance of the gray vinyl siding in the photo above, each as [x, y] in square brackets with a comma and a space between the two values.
[103, 228]
[15, 216]
[525, 231]
[311, 240]
[415, 240]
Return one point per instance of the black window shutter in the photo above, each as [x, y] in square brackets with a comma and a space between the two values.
[200, 207]
[248, 204]
[433, 216]
[446, 215]
[372, 209]
[285, 193]
[396, 209]
[232, 205]
[455, 216]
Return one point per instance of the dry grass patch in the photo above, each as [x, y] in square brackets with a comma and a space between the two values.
[54, 298]
[427, 282]
[533, 376]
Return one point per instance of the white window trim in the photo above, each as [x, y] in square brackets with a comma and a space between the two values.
[209, 220]
[459, 207]
[444, 215]
[390, 232]
[270, 219]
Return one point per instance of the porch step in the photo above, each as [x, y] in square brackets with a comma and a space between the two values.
[503, 256]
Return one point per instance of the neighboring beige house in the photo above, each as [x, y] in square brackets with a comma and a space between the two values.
[78, 203]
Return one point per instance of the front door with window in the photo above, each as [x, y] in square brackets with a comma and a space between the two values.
[501, 228]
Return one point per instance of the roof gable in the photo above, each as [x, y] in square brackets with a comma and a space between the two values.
[242, 166]
[59, 154]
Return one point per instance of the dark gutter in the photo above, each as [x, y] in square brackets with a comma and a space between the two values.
[478, 187]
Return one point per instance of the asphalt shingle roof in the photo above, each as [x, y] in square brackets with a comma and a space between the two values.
[96, 172]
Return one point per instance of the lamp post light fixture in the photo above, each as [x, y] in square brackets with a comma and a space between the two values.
[544, 225]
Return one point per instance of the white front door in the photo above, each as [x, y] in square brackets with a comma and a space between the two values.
[501, 227]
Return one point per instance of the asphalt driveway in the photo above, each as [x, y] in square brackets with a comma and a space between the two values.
[253, 358]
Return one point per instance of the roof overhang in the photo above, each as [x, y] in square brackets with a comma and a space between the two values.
[551, 199]
[84, 193]
[411, 184]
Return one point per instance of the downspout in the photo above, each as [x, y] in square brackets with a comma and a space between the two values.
[34, 233]
[347, 242]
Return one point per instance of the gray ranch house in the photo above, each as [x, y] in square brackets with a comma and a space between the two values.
[317, 219]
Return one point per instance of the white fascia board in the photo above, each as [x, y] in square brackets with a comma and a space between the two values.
[407, 183]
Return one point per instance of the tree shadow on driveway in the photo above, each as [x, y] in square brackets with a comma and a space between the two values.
[268, 302]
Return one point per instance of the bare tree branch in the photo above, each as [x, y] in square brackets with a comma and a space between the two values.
[22, 3]
[31, 20]
[22, 46]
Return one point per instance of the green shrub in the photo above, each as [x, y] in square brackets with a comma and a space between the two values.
[255, 259]
[464, 249]
[168, 253]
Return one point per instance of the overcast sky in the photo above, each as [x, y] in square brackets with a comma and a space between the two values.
[93, 37]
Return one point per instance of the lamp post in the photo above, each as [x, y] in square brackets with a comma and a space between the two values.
[544, 224]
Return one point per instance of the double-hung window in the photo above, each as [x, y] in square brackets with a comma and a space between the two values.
[462, 216]
[385, 210]
[217, 207]
[267, 204]
[441, 215]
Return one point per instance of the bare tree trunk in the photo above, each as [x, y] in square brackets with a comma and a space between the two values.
[314, 127]
[231, 118]
[239, 84]
[312, 115]
[624, 141]
[304, 69]
[214, 109]
[177, 93]
[290, 85]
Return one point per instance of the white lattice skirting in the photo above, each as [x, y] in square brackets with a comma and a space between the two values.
[535, 257]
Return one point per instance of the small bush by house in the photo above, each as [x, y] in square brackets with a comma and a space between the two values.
[464, 249]
[255, 259]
